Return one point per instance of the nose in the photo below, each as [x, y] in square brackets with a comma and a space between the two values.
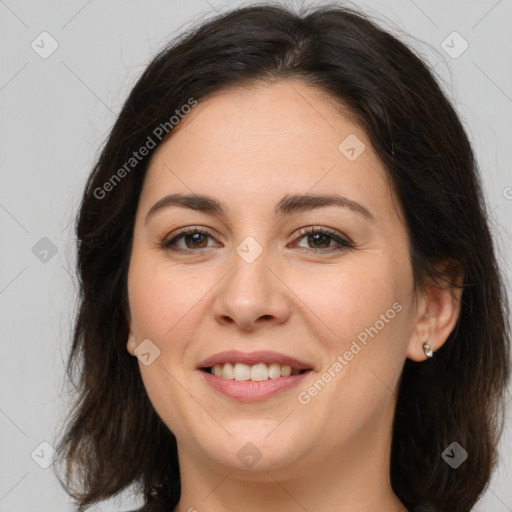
[251, 295]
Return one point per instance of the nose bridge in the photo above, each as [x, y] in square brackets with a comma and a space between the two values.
[250, 292]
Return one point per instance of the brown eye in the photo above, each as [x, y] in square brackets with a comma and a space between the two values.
[196, 240]
[188, 240]
[319, 240]
[323, 238]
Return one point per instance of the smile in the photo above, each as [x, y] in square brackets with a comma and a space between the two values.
[256, 373]
[252, 376]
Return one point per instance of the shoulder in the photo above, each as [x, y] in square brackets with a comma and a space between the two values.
[151, 507]
[420, 507]
[425, 507]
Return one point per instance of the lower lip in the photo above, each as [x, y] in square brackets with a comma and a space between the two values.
[250, 391]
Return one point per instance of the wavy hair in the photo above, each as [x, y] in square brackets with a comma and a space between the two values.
[113, 437]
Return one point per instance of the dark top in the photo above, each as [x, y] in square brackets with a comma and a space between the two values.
[421, 507]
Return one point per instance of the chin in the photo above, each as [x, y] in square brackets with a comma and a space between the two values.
[254, 452]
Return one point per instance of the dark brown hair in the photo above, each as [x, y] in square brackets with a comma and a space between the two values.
[114, 438]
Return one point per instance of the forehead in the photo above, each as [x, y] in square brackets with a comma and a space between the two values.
[282, 117]
[246, 144]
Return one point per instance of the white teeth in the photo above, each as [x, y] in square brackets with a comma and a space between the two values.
[286, 371]
[256, 372]
[274, 371]
[227, 371]
[259, 372]
[242, 371]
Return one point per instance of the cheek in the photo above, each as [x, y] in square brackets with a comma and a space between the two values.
[356, 299]
[372, 320]
[365, 317]
[159, 296]
[167, 307]
[157, 305]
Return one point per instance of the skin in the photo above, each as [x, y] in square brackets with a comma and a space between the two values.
[301, 297]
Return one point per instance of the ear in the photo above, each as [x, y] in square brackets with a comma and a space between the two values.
[131, 344]
[438, 309]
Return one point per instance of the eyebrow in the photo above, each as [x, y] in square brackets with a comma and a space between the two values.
[287, 205]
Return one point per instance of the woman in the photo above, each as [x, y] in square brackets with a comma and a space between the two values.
[289, 293]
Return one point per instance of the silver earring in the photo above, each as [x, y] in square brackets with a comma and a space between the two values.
[429, 352]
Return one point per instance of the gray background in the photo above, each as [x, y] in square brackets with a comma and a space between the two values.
[55, 114]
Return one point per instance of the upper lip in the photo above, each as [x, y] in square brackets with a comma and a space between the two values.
[251, 358]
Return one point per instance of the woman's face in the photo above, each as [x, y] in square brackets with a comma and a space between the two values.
[299, 252]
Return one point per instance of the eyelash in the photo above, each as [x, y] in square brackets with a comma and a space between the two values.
[343, 242]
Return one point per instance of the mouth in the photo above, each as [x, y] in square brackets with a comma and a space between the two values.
[255, 366]
[255, 373]
[254, 376]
